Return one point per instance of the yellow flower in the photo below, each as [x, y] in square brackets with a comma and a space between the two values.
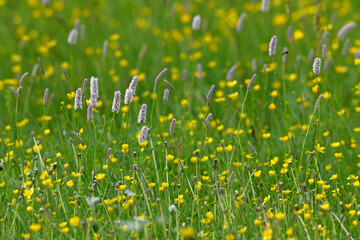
[325, 206]
[266, 135]
[229, 148]
[279, 216]
[74, 221]
[356, 184]
[257, 173]
[333, 177]
[188, 233]
[272, 106]
[47, 131]
[319, 148]
[36, 227]
[70, 183]
[100, 176]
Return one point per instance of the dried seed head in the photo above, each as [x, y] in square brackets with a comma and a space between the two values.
[252, 148]
[160, 75]
[318, 102]
[128, 96]
[172, 126]
[78, 99]
[317, 66]
[240, 22]
[116, 102]
[144, 133]
[196, 22]
[208, 97]
[90, 114]
[272, 46]
[230, 73]
[72, 37]
[142, 114]
[345, 29]
[23, 78]
[94, 87]
[46, 94]
[251, 81]
[265, 5]
[166, 95]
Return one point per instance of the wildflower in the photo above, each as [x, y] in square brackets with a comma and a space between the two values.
[143, 134]
[36, 227]
[251, 81]
[172, 208]
[93, 100]
[90, 114]
[208, 96]
[318, 102]
[94, 87]
[325, 206]
[230, 73]
[46, 94]
[23, 77]
[265, 5]
[240, 22]
[279, 216]
[188, 233]
[128, 96]
[196, 22]
[257, 173]
[116, 102]
[160, 75]
[74, 221]
[142, 114]
[133, 84]
[172, 126]
[72, 37]
[317, 66]
[92, 201]
[78, 99]
[166, 95]
[319, 148]
[345, 29]
[272, 45]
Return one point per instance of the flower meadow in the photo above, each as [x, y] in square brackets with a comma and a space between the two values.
[169, 119]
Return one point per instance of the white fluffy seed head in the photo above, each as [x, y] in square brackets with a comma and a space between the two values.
[317, 66]
[116, 102]
[272, 46]
[78, 99]
[142, 114]
[196, 23]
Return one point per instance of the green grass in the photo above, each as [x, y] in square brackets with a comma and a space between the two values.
[298, 179]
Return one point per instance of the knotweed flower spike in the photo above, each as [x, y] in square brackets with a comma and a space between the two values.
[290, 34]
[84, 85]
[199, 71]
[318, 102]
[160, 75]
[230, 73]
[24, 76]
[310, 56]
[94, 86]
[34, 70]
[128, 96]
[251, 81]
[46, 94]
[105, 48]
[19, 90]
[265, 5]
[72, 38]
[196, 23]
[272, 46]
[207, 119]
[208, 96]
[143, 133]
[90, 114]
[142, 114]
[166, 95]
[172, 126]
[324, 50]
[317, 66]
[78, 99]
[133, 84]
[82, 32]
[345, 29]
[346, 47]
[41, 67]
[253, 65]
[169, 84]
[116, 102]
[93, 100]
[184, 75]
[240, 22]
